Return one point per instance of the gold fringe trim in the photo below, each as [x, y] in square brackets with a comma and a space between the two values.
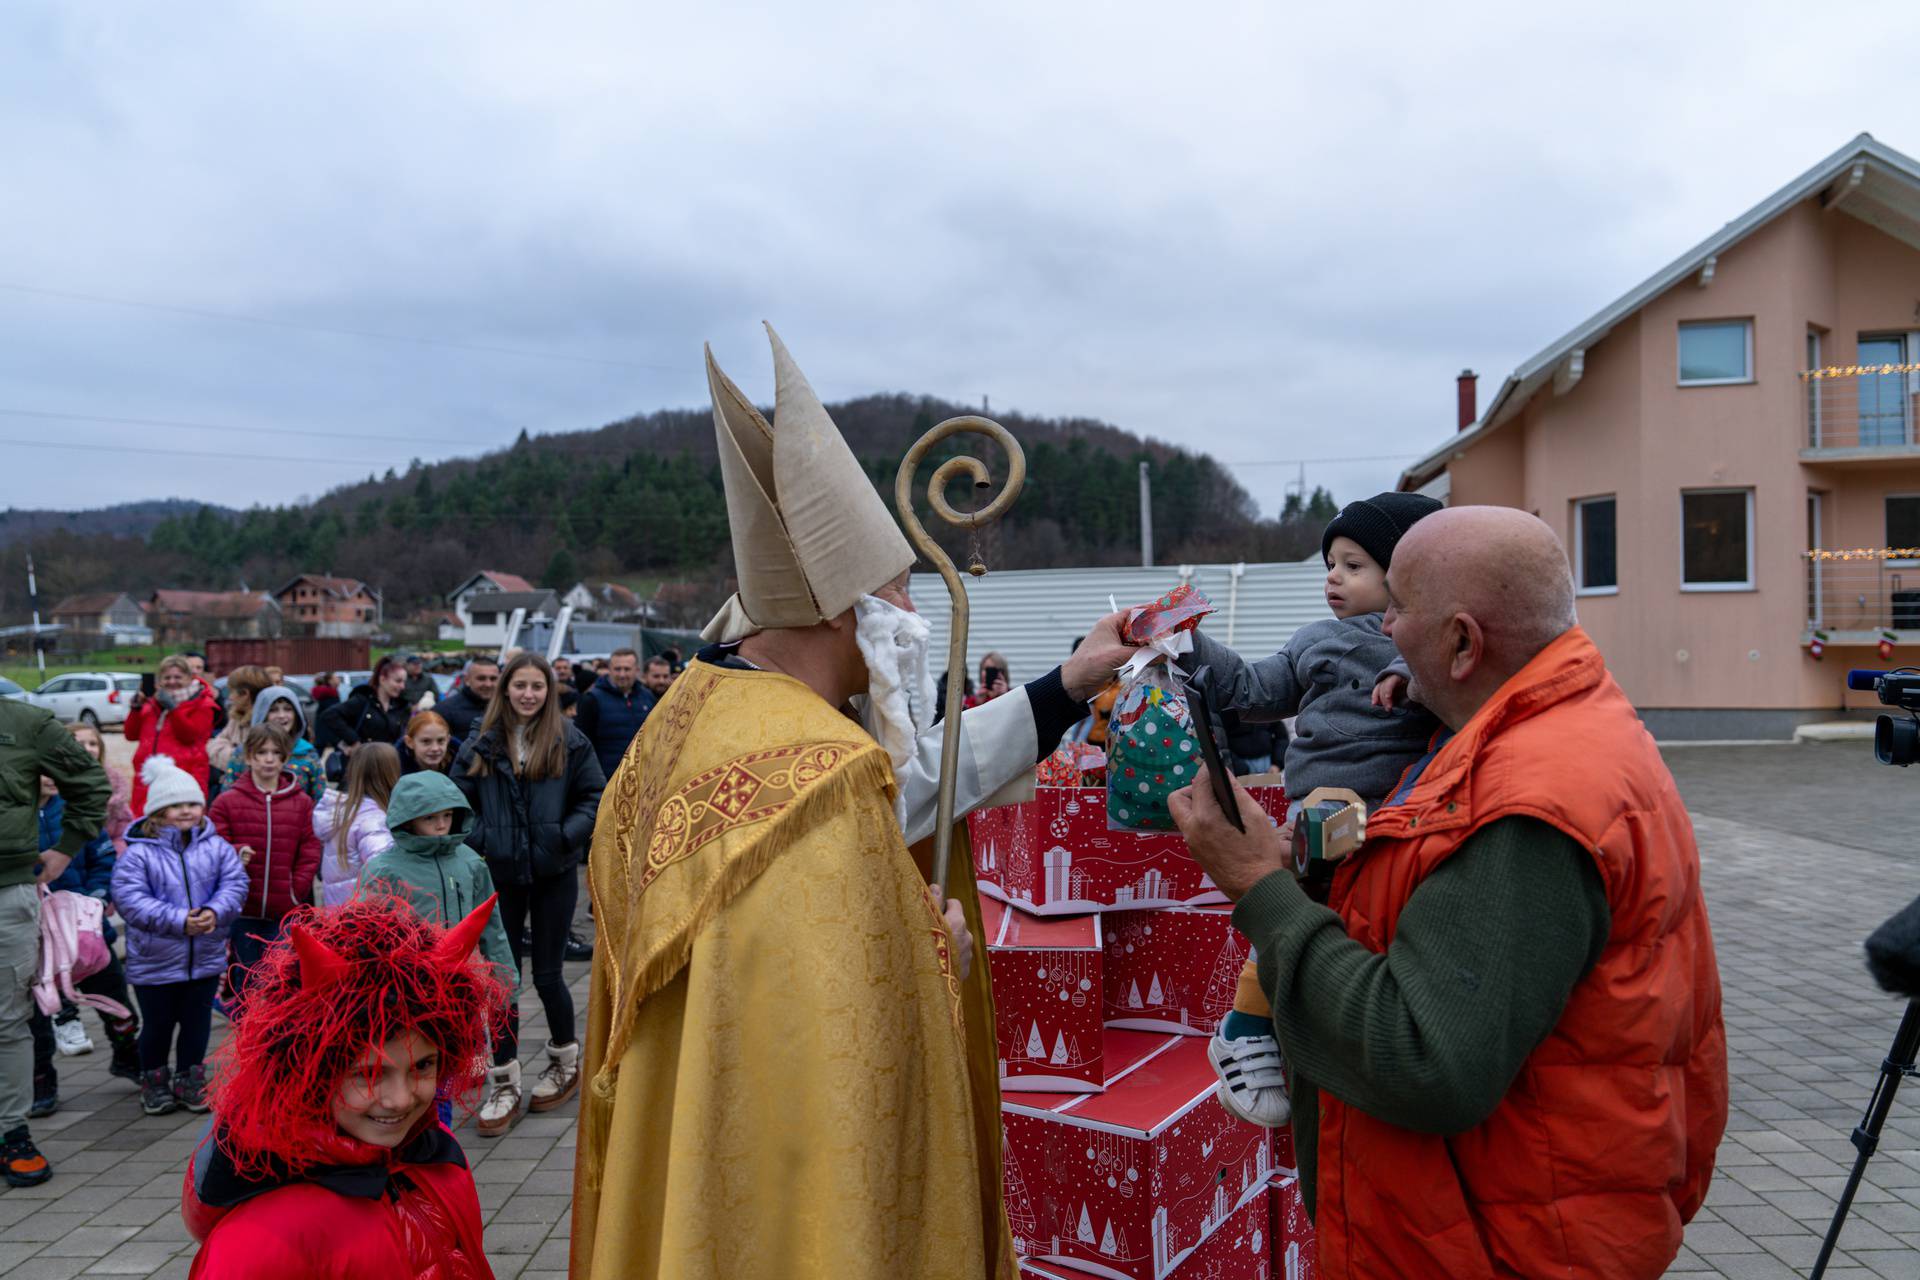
[870, 767]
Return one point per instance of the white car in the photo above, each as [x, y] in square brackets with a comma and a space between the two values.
[8, 689]
[96, 697]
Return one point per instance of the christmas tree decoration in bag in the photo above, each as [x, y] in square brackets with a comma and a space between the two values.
[1151, 751]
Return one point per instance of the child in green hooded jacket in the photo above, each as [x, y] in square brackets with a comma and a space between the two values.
[432, 870]
[430, 866]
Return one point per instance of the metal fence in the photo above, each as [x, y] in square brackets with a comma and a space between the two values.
[1861, 406]
[1863, 595]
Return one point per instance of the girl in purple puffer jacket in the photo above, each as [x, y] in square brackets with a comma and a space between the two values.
[178, 886]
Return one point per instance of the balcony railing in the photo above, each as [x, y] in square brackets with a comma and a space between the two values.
[1861, 406]
[1867, 590]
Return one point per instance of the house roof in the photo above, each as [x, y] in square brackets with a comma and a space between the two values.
[98, 603]
[496, 579]
[1865, 178]
[211, 604]
[532, 601]
[339, 588]
[615, 594]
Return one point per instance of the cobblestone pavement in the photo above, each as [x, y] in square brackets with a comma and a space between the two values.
[1806, 847]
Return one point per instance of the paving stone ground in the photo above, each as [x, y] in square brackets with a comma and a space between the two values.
[1805, 848]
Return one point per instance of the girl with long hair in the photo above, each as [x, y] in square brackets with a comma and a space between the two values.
[351, 823]
[534, 784]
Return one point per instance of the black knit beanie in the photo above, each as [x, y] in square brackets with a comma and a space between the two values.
[1378, 523]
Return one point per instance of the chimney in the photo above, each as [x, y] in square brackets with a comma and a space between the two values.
[1469, 398]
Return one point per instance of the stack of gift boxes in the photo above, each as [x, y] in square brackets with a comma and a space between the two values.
[1114, 958]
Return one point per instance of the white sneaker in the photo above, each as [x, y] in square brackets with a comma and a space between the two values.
[71, 1038]
[1253, 1081]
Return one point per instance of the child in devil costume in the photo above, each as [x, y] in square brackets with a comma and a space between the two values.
[326, 1157]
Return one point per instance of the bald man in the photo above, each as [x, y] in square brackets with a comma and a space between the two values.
[1504, 1024]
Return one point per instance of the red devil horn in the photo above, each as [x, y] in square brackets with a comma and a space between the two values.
[320, 965]
[465, 936]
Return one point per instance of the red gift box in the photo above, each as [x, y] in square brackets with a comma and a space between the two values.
[1046, 998]
[1053, 855]
[1285, 1163]
[1172, 970]
[1240, 1250]
[1126, 1184]
[1295, 1255]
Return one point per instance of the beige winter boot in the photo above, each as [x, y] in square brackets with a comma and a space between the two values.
[559, 1079]
[501, 1107]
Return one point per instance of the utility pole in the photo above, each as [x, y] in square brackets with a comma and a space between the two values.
[33, 599]
[1146, 517]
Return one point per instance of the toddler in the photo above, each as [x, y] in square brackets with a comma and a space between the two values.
[1339, 678]
[178, 886]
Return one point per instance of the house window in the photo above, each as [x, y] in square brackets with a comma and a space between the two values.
[1883, 396]
[1716, 540]
[1813, 388]
[1716, 352]
[1595, 546]
[1903, 521]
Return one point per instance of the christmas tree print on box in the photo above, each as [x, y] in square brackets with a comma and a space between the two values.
[1055, 855]
[1172, 970]
[1046, 997]
[1130, 1183]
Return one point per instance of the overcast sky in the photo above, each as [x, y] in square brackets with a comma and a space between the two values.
[1271, 232]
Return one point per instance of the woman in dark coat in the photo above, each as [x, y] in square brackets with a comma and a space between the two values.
[373, 712]
[534, 784]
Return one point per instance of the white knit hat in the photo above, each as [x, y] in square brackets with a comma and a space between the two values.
[168, 784]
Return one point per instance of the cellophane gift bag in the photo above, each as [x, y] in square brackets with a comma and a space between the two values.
[1151, 752]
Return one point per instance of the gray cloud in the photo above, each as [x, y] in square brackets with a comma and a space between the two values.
[1263, 234]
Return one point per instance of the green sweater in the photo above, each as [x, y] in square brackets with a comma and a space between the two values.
[32, 743]
[1430, 1035]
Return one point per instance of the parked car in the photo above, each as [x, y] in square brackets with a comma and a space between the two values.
[8, 689]
[96, 697]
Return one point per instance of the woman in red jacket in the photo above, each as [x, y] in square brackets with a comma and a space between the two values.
[267, 816]
[326, 1157]
[175, 722]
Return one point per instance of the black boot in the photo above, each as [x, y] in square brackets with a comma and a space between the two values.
[124, 1038]
[578, 948]
[46, 1094]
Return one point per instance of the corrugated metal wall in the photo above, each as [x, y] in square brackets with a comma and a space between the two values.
[1032, 615]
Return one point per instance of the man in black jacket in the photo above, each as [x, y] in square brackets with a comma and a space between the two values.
[612, 710]
[466, 707]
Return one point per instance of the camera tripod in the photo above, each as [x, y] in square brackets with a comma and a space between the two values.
[1866, 1137]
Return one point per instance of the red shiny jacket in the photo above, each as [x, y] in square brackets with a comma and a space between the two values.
[406, 1213]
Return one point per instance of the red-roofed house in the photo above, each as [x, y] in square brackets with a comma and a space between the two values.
[481, 583]
[315, 604]
[179, 617]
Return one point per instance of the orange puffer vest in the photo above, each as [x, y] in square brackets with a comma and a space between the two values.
[1604, 1144]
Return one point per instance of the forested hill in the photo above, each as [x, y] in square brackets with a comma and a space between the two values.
[643, 496]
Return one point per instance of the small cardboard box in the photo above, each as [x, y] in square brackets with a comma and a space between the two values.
[1053, 855]
[1128, 1183]
[1295, 1254]
[1046, 998]
[1172, 970]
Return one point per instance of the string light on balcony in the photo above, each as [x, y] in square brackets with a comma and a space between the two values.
[1866, 553]
[1857, 371]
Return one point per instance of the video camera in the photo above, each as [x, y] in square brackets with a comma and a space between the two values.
[1895, 741]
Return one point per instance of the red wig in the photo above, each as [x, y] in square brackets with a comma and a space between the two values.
[342, 981]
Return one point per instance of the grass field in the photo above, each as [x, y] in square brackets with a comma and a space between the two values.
[23, 672]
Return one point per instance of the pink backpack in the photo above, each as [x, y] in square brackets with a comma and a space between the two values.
[73, 946]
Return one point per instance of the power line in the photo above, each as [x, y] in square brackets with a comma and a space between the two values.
[328, 432]
[337, 330]
[249, 456]
[1294, 462]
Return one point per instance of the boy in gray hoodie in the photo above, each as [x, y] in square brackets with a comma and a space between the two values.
[1340, 679]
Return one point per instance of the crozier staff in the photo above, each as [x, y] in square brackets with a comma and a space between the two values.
[791, 1067]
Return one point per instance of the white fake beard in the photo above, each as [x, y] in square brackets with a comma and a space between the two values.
[898, 707]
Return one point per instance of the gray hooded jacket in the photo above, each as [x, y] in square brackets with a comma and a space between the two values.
[1324, 677]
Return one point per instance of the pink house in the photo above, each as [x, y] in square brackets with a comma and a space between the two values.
[1730, 453]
